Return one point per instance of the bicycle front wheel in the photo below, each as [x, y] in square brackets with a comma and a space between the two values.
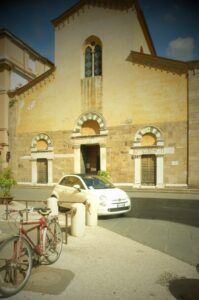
[52, 241]
[15, 265]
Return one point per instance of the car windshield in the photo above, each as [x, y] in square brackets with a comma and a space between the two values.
[97, 183]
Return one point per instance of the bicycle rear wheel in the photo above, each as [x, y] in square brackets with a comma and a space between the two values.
[52, 241]
[15, 265]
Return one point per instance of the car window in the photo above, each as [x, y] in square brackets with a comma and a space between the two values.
[71, 181]
[67, 181]
[94, 182]
[76, 181]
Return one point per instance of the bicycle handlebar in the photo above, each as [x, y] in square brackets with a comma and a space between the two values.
[41, 210]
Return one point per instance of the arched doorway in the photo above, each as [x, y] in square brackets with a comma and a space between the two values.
[89, 138]
[148, 154]
[148, 169]
[42, 170]
[41, 159]
[90, 159]
[148, 161]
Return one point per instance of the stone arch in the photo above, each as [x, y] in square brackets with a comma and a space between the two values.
[41, 159]
[91, 40]
[149, 130]
[154, 151]
[39, 137]
[88, 117]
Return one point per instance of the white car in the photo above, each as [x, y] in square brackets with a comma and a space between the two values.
[81, 188]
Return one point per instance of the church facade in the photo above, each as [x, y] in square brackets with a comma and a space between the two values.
[109, 103]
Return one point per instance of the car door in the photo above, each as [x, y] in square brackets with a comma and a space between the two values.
[62, 189]
[69, 191]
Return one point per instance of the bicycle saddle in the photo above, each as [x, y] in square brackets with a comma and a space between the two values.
[44, 211]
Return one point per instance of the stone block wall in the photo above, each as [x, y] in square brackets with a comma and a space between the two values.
[194, 128]
[120, 164]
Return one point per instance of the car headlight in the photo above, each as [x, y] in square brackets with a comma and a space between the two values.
[102, 200]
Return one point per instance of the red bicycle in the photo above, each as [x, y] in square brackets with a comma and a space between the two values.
[19, 253]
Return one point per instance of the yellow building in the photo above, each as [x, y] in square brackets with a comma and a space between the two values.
[19, 64]
[110, 103]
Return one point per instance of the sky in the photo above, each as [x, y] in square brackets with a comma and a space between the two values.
[173, 24]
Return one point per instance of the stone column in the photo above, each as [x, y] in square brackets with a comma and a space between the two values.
[159, 171]
[77, 157]
[50, 170]
[34, 171]
[137, 160]
[103, 157]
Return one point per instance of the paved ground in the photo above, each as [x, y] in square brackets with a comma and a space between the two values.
[168, 225]
[105, 265]
[171, 230]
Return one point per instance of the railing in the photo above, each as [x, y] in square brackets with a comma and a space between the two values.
[67, 212]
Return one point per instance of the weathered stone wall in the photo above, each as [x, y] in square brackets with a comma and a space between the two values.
[121, 165]
[194, 128]
[130, 96]
[119, 162]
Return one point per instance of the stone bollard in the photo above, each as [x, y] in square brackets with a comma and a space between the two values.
[78, 219]
[91, 213]
[52, 204]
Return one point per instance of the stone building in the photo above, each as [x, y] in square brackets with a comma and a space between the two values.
[109, 103]
[19, 64]
[193, 121]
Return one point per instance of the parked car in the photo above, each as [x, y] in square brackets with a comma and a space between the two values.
[81, 188]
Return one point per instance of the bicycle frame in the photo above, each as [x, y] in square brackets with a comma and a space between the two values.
[16, 260]
[41, 226]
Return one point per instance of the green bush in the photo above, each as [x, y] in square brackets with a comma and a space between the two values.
[103, 173]
[6, 182]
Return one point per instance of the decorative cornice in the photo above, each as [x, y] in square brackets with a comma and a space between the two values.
[114, 4]
[157, 62]
[6, 33]
[192, 65]
[7, 64]
[32, 83]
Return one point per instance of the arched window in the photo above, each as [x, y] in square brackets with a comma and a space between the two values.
[88, 62]
[98, 60]
[93, 57]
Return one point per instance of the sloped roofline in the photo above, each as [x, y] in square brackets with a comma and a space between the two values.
[193, 64]
[20, 43]
[117, 4]
[31, 83]
[157, 62]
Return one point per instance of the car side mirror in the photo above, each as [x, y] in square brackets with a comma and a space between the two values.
[77, 187]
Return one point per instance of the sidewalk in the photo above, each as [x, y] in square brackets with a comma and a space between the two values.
[103, 265]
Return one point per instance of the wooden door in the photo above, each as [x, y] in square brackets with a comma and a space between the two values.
[42, 170]
[148, 170]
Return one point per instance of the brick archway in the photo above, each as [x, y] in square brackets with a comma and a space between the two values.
[154, 152]
[88, 117]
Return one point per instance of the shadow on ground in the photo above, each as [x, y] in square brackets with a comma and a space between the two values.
[49, 280]
[172, 210]
[185, 289]
[168, 225]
